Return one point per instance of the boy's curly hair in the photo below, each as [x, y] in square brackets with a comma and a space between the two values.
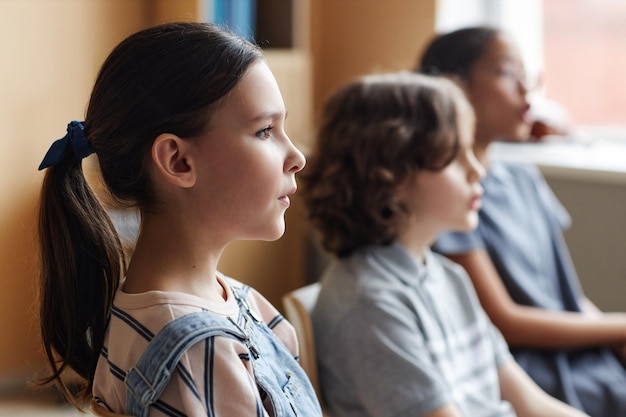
[375, 131]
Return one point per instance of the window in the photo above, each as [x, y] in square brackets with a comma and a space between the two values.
[574, 49]
[585, 59]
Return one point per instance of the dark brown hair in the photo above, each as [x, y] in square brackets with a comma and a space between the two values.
[375, 131]
[164, 79]
[455, 53]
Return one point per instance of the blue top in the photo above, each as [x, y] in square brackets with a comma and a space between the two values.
[398, 338]
[521, 227]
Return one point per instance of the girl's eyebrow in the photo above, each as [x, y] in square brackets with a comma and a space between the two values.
[271, 116]
[508, 59]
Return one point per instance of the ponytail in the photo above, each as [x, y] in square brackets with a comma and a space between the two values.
[81, 264]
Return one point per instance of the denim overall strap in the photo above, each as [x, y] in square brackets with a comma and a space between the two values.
[276, 371]
[146, 381]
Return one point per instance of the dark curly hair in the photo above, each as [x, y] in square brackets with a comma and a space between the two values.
[375, 131]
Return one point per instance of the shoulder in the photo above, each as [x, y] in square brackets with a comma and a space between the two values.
[515, 172]
[373, 286]
[137, 318]
[512, 187]
[517, 167]
[349, 286]
[283, 330]
[261, 305]
[448, 270]
[449, 267]
[365, 279]
[455, 278]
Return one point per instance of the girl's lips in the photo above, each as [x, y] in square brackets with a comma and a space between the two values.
[526, 114]
[285, 200]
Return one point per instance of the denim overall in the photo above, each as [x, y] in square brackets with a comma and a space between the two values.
[276, 371]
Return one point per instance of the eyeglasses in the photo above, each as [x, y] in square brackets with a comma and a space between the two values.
[511, 74]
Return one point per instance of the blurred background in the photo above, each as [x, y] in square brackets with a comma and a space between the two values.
[50, 52]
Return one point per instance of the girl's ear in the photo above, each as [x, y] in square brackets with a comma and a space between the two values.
[171, 158]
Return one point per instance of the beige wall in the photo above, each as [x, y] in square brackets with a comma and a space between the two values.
[596, 237]
[50, 51]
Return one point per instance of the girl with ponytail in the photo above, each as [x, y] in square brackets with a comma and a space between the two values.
[187, 123]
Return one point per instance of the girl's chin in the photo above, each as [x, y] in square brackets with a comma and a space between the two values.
[519, 136]
[522, 133]
[517, 133]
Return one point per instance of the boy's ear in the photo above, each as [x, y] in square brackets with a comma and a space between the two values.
[171, 158]
[399, 194]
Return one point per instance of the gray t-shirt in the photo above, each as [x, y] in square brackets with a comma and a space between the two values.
[398, 338]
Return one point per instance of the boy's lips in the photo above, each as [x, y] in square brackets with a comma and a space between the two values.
[476, 201]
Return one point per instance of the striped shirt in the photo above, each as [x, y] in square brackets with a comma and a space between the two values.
[213, 378]
[395, 337]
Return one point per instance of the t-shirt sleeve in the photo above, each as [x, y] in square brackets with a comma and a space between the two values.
[550, 203]
[192, 390]
[497, 341]
[501, 348]
[392, 369]
[453, 243]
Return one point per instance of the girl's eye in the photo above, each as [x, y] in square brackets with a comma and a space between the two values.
[512, 74]
[265, 133]
[507, 72]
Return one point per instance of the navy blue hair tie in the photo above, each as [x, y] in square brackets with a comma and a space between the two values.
[75, 137]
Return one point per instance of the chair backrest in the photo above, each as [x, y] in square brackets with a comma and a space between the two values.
[298, 305]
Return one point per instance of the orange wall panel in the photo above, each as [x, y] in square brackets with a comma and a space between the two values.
[353, 37]
[50, 52]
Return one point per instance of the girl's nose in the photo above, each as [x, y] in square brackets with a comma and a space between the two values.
[523, 86]
[295, 159]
